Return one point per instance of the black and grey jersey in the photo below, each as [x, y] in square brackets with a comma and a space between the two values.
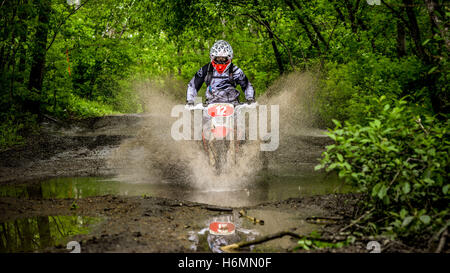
[221, 89]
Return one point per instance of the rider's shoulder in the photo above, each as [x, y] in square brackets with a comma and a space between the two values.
[237, 70]
[202, 71]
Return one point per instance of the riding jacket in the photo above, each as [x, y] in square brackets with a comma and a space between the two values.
[220, 87]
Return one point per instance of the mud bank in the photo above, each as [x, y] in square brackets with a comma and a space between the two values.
[78, 148]
[148, 224]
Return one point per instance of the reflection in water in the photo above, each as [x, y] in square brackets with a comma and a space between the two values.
[264, 189]
[204, 241]
[274, 221]
[35, 233]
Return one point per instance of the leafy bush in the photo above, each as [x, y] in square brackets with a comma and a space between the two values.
[9, 134]
[401, 162]
[81, 108]
[347, 88]
[13, 127]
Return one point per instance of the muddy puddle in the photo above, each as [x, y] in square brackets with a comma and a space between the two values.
[37, 233]
[266, 188]
[41, 232]
[262, 222]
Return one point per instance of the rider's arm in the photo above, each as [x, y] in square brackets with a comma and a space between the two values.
[243, 81]
[196, 83]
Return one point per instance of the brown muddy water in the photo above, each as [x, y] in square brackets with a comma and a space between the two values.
[245, 230]
[41, 232]
[264, 189]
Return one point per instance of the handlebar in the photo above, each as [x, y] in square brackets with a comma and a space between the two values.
[201, 106]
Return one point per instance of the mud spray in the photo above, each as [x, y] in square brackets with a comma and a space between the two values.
[152, 156]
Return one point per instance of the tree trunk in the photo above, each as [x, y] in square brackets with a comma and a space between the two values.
[304, 25]
[22, 53]
[351, 16]
[317, 31]
[179, 57]
[312, 24]
[340, 15]
[39, 49]
[432, 6]
[415, 31]
[401, 39]
[276, 53]
[39, 54]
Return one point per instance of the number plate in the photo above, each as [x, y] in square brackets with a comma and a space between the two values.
[221, 228]
[220, 109]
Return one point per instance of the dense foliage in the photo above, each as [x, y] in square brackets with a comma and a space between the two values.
[400, 160]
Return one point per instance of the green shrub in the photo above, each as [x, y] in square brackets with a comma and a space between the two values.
[347, 88]
[13, 128]
[400, 161]
[82, 108]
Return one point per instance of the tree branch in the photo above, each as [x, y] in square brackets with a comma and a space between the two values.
[431, 7]
[58, 28]
[232, 247]
[397, 13]
[257, 20]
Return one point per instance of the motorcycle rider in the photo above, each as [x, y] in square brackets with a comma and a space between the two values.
[221, 77]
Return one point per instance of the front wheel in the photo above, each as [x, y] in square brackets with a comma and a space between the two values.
[221, 154]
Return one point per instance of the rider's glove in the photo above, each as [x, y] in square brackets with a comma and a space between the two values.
[250, 101]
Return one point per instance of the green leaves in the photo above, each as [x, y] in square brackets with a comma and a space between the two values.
[432, 69]
[375, 124]
[407, 220]
[445, 189]
[382, 192]
[425, 219]
[406, 188]
[337, 123]
[398, 164]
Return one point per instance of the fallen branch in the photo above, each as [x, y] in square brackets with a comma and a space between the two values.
[232, 247]
[242, 213]
[213, 208]
[52, 119]
[356, 221]
[442, 241]
[419, 121]
[323, 220]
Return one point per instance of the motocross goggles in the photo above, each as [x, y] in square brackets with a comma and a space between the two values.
[221, 60]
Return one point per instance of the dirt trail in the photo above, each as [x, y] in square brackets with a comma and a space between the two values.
[144, 224]
[133, 223]
[83, 148]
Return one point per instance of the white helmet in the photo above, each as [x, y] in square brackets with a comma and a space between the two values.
[221, 48]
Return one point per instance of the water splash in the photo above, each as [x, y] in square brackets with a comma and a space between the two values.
[152, 156]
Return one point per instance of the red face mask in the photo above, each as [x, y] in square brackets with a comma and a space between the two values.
[220, 67]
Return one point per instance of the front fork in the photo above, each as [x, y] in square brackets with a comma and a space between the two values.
[209, 147]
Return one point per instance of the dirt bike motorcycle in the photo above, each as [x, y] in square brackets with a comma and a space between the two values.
[220, 139]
